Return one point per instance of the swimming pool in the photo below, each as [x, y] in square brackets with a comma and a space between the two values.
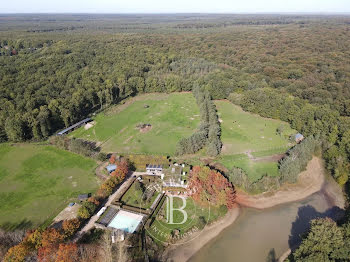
[126, 221]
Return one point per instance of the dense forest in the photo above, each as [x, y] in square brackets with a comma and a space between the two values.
[57, 69]
[209, 131]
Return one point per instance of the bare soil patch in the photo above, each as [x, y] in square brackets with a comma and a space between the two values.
[143, 128]
[89, 125]
[68, 213]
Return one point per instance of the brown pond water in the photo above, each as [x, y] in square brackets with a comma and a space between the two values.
[257, 232]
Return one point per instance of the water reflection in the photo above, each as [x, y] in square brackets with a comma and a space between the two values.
[259, 235]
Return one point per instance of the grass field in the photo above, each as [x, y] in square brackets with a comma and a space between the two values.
[247, 137]
[197, 216]
[254, 169]
[37, 182]
[133, 197]
[172, 117]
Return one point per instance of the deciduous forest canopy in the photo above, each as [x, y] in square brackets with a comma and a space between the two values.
[57, 69]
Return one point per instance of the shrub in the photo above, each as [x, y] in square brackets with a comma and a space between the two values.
[297, 159]
[70, 226]
[101, 156]
[83, 212]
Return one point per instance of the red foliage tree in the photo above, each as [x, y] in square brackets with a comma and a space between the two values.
[210, 187]
[112, 159]
[47, 254]
[93, 200]
[122, 170]
[67, 253]
[51, 237]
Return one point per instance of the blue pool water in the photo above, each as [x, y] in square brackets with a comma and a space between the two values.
[125, 222]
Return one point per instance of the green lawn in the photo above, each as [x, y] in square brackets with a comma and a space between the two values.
[161, 231]
[254, 169]
[172, 117]
[246, 136]
[38, 181]
[133, 197]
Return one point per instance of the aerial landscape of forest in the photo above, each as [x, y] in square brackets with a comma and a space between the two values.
[105, 118]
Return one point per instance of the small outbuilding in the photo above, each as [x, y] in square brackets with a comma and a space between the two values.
[299, 137]
[111, 168]
[154, 169]
[84, 197]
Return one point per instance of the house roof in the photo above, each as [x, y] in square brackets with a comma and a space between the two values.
[298, 136]
[110, 168]
[154, 167]
[83, 196]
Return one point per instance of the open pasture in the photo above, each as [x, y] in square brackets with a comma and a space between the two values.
[38, 181]
[249, 140]
[170, 117]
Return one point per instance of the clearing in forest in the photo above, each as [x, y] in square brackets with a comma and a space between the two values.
[148, 124]
[251, 142]
[38, 181]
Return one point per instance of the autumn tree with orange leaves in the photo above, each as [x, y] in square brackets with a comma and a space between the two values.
[70, 226]
[67, 253]
[208, 186]
[51, 238]
[122, 170]
[16, 253]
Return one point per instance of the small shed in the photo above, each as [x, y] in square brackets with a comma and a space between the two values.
[83, 197]
[299, 137]
[111, 167]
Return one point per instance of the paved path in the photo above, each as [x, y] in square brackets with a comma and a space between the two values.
[118, 193]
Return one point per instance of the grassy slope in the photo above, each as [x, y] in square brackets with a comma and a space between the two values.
[242, 132]
[172, 117]
[37, 182]
[193, 211]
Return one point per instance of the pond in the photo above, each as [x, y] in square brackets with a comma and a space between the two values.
[257, 232]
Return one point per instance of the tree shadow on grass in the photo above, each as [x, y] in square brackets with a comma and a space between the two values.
[11, 226]
[302, 223]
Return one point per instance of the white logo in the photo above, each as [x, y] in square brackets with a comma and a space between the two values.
[170, 210]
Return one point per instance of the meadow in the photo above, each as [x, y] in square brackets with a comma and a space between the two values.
[249, 140]
[171, 116]
[38, 181]
[197, 216]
